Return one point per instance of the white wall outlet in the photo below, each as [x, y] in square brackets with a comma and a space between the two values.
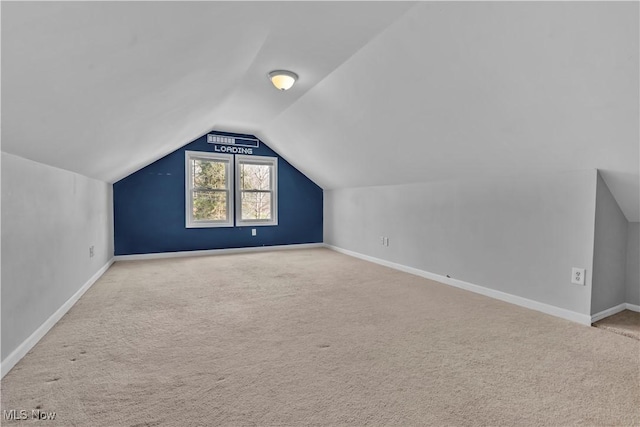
[253, 232]
[90, 251]
[577, 276]
[382, 240]
[386, 241]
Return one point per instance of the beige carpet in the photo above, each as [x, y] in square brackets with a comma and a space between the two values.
[313, 337]
[625, 323]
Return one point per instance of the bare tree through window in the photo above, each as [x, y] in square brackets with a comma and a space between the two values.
[255, 185]
[210, 195]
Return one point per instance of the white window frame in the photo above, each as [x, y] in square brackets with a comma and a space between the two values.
[259, 160]
[190, 221]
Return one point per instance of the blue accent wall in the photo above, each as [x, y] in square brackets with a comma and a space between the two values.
[149, 209]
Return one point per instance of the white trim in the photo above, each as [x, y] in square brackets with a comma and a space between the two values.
[614, 310]
[10, 361]
[583, 319]
[257, 160]
[633, 307]
[188, 203]
[181, 254]
[608, 312]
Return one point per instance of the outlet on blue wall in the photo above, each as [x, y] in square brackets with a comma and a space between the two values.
[149, 209]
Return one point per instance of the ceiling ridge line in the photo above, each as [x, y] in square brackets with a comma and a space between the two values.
[340, 65]
[199, 134]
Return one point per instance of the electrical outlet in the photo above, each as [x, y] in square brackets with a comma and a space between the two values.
[577, 276]
[253, 231]
[382, 240]
[90, 251]
[386, 241]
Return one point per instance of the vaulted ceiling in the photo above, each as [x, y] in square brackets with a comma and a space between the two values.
[389, 92]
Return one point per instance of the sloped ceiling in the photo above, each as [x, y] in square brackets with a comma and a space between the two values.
[389, 92]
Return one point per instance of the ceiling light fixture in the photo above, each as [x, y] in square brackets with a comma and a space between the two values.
[282, 79]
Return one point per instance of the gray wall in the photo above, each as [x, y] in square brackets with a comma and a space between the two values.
[609, 251]
[50, 217]
[633, 264]
[520, 235]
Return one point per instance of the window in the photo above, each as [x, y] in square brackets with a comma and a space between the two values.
[257, 190]
[209, 189]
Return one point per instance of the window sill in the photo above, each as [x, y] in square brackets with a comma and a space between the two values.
[256, 224]
[208, 225]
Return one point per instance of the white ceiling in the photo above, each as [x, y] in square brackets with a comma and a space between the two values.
[389, 92]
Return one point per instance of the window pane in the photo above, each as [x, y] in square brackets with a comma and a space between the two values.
[255, 177]
[209, 174]
[256, 205]
[210, 205]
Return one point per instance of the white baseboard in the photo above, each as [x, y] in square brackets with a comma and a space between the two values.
[181, 254]
[10, 361]
[608, 312]
[633, 307]
[614, 310]
[583, 319]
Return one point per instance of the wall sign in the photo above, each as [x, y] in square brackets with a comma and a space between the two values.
[232, 144]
